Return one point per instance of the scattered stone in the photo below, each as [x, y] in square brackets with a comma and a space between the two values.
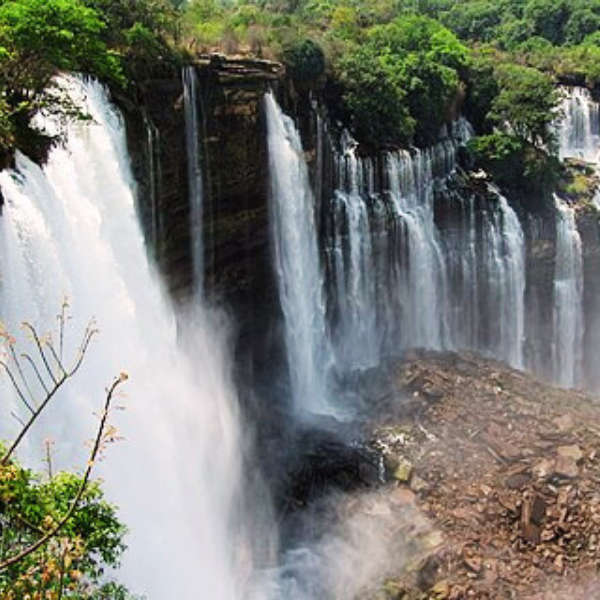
[403, 497]
[564, 423]
[566, 467]
[474, 563]
[403, 471]
[418, 485]
[533, 512]
[517, 481]
[440, 591]
[573, 452]
[544, 469]
[433, 540]
[502, 467]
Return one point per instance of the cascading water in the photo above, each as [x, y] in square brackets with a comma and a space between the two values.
[579, 126]
[567, 348]
[297, 263]
[71, 229]
[154, 179]
[195, 185]
[398, 281]
[351, 263]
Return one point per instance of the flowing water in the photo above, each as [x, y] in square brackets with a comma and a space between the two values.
[70, 229]
[400, 281]
[579, 128]
[297, 264]
[567, 351]
[195, 184]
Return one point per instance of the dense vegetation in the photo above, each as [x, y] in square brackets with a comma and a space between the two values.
[399, 69]
[404, 67]
[114, 40]
[72, 563]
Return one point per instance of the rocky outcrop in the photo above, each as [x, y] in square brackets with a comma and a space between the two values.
[234, 160]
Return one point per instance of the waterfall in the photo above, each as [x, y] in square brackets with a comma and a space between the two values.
[568, 299]
[154, 178]
[70, 229]
[399, 279]
[352, 263]
[422, 283]
[297, 263]
[579, 127]
[195, 186]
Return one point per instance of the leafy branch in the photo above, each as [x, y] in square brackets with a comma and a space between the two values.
[98, 443]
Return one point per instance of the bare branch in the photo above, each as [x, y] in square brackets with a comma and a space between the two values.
[93, 456]
[87, 338]
[23, 378]
[16, 386]
[58, 382]
[40, 348]
[37, 372]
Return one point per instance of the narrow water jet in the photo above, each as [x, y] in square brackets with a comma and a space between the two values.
[194, 168]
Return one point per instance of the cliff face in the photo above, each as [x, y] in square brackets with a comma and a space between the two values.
[238, 265]
[235, 178]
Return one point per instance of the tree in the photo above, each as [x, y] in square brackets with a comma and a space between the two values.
[548, 18]
[526, 104]
[39, 38]
[378, 105]
[57, 533]
[305, 61]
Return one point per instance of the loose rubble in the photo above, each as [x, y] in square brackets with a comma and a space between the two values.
[505, 468]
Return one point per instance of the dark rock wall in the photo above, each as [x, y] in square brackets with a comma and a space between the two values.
[589, 229]
[234, 158]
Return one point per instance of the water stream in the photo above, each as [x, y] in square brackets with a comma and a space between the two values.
[70, 229]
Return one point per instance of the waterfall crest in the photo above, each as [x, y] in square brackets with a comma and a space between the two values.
[70, 229]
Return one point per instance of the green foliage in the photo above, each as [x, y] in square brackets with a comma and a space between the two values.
[305, 61]
[548, 18]
[515, 164]
[482, 88]
[474, 20]
[409, 68]
[377, 103]
[526, 104]
[114, 40]
[73, 562]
